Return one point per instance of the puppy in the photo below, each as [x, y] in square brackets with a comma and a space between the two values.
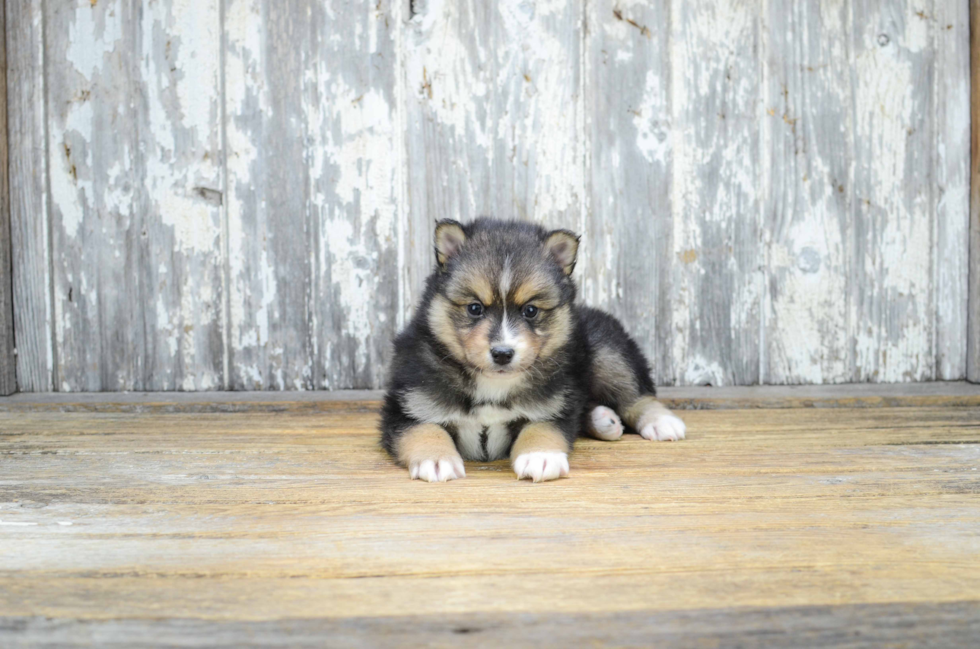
[499, 361]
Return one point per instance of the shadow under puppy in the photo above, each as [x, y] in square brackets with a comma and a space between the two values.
[500, 361]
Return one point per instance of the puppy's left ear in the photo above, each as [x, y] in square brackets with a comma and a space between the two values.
[449, 239]
[562, 245]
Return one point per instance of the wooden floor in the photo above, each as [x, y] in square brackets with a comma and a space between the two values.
[766, 527]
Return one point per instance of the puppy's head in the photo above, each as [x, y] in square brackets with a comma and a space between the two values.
[503, 293]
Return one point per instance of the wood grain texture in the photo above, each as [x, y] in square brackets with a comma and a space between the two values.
[950, 29]
[312, 157]
[829, 237]
[134, 144]
[973, 319]
[95, 194]
[27, 167]
[8, 358]
[871, 626]
[629, 165]
[807, 329]
[716, 87]
[891, 199]
[111, 520]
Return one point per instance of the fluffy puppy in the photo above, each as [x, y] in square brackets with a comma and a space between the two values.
[500, 361]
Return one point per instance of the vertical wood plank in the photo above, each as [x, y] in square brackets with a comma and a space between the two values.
[93, 148]
[951, 112]
[352, 116]
[270, 242]
[312, 181]
[354, 143]
[181, 264]
[807, 125]
[715, 196]
[26, 130]
[628, 236]
[494, 117]
[973, 319]
[8, 361]
[891, 192]
[134, 148]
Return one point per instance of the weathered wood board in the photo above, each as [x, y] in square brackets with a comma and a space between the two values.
[865, 626]
[8, 359]
[973, 335]
[240, 194]
[627, 93]
[27, 169]
[197, 524]
[313, 197]
[133, 119]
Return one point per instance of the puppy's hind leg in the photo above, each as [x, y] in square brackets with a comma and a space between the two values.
[620, 379]
[603, 423]
[653, 421]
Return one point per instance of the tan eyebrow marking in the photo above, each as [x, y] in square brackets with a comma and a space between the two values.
[480, 287]
[538, 288]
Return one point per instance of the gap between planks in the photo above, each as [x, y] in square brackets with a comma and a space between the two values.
[866, 395]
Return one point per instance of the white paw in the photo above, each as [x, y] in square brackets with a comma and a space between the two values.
[664, 428]
[442, 470]
[606, 424]
[541, 465]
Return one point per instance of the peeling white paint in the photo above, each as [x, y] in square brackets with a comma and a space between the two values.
[68, 191]
[806, 328]
[364, 157]
[351, 269]
[191, 29]
[92, 37]
[702, 371]
[715, 185]
[648, 118]
[244, 87]
[890, 343]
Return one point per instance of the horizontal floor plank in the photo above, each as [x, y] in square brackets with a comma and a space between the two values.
[954, 624]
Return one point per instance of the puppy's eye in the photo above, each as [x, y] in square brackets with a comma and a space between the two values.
[475, 309]
[529, 311]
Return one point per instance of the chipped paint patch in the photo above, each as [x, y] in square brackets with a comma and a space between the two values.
[651, 119]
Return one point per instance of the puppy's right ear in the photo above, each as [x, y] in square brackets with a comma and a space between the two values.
[449, 239]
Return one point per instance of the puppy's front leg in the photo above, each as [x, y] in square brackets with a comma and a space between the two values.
[540, 452]
[429, 453]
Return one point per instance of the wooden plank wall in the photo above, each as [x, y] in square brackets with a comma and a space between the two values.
[8, 376]
[239, 194]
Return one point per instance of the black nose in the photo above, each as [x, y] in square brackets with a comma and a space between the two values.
[502, 355]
